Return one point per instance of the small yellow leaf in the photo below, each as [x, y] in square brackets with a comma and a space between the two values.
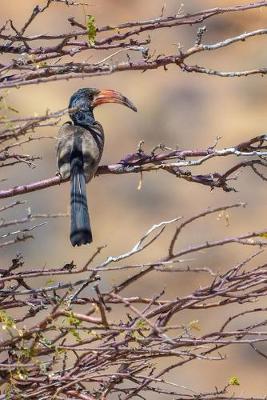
[264, 235]
[234, 381]
[142, 324]
[195, 325]
[76, 334]
[91, 29]
[49, 281]
[6, 320]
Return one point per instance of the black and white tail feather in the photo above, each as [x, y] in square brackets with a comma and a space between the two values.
[80, 230]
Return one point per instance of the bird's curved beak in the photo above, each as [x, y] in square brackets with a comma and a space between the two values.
[111, 96]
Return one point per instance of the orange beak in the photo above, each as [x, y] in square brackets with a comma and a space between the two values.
[111, 96]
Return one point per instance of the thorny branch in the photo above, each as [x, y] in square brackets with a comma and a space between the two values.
[77, 339]
[31, 64]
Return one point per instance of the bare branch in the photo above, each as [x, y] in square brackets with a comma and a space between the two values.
[142, 162]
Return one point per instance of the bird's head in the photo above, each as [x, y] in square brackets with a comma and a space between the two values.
[83, 102]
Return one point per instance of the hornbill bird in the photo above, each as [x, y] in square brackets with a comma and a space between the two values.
[79, 150]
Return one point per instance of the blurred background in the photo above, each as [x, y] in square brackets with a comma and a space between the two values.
[176, 109]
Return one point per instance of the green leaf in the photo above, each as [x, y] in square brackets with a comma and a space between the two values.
[46, 342]
[136, 335]
[73, 320]
[234, 381]
[142, 324]
[8, 391]
[6, 320]
[49, 282]
[264, 235]
[91, 29]
[76, 334]
[21, 374]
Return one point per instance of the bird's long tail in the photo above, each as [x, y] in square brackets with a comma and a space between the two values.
[80, 231]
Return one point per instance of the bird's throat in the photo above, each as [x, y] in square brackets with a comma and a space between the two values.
[84, 117]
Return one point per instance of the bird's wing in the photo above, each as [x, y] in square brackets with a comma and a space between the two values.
[76, 141]
[64, 149]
